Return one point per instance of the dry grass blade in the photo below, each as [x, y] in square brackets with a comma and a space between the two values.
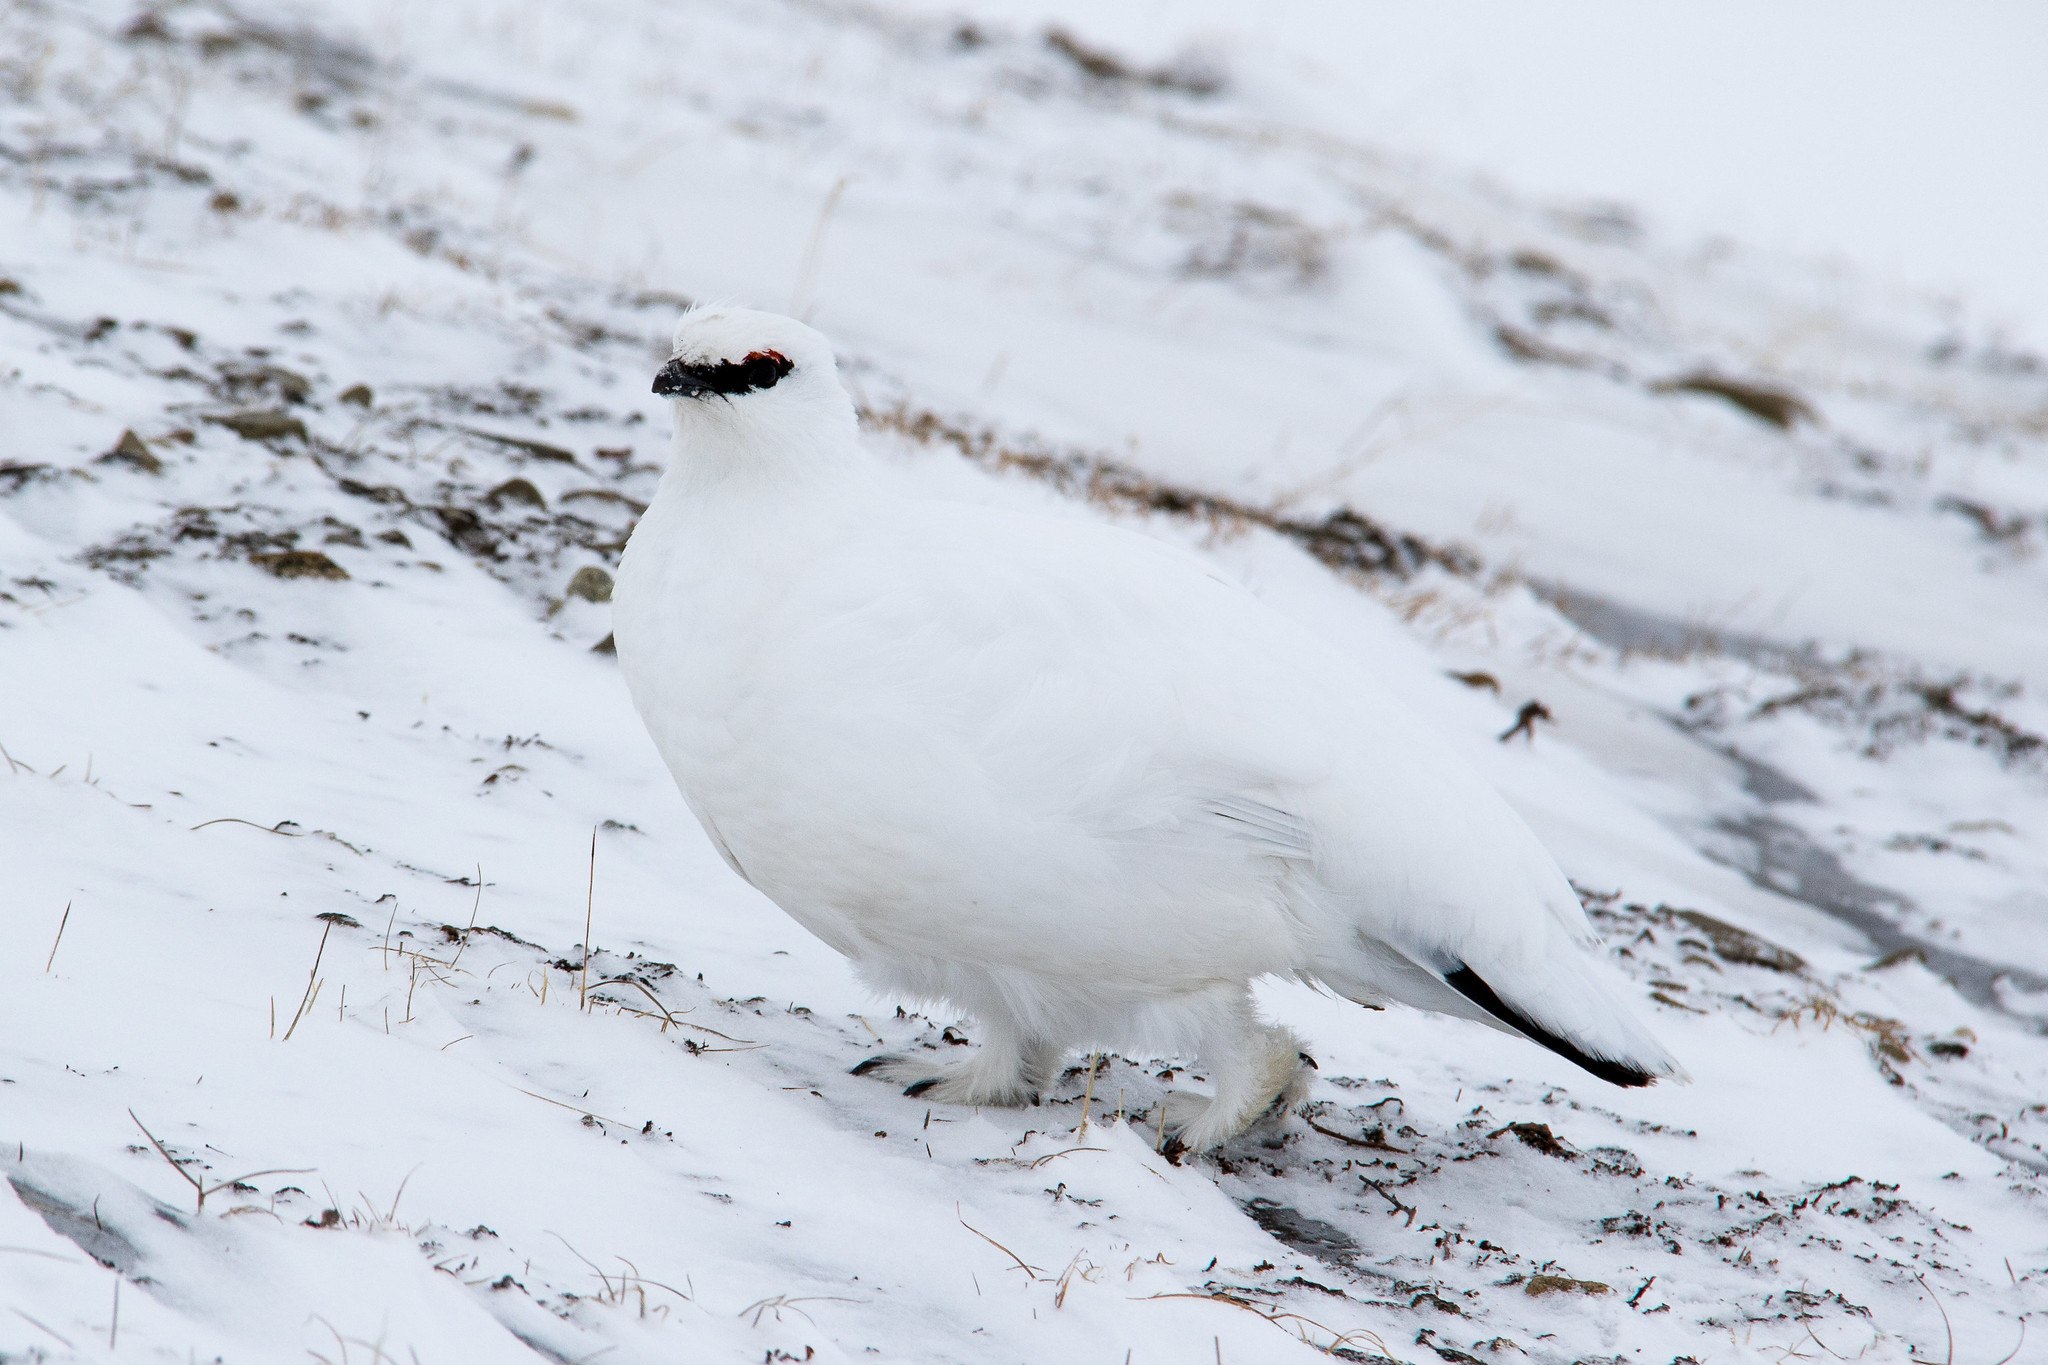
[1035, 1163]
[200, 1188]
[1946, 1326]
[278, 829]
[1088, 1097]
[589, 909]
[666, 1015]
[1338, 1340]
[474, 906]
[311, 980]
[814, 250]
[776, 1303]
[45, 1328]
[641, 986]
[52, 958]
[574, 1108]
[1033, 1271]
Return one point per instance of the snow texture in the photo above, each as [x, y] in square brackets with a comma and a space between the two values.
[326, 332]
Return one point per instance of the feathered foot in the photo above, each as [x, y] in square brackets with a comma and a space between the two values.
[1261, 1076]
[1002, 1073]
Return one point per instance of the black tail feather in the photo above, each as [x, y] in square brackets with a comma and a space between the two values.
[1473, 987]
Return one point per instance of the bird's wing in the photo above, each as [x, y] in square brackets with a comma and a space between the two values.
[1157, 703]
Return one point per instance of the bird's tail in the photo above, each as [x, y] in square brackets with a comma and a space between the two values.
[1584, 1025]
[1560, 1001]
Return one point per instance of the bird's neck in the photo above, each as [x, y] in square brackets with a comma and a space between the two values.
[719, 454]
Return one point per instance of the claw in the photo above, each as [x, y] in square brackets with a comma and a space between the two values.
[1308, 1059]
[879, 1059]
[919, 1087]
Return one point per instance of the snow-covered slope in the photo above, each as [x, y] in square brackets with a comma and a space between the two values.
[325, 337]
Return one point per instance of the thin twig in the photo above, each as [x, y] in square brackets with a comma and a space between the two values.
[1352, 1141]
[1398, 1205]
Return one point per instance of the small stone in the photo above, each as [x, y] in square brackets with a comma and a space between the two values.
[358, 395]
[299, 564]
[261, 426]
[591, 583]
[608, 645]
[130, 450]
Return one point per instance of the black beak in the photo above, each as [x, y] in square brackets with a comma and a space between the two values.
[676, 381]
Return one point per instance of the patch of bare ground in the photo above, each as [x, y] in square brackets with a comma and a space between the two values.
[1343, 539]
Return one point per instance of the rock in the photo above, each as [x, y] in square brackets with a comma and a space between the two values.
[1538, 1136]
[1731, 944]
[299, 564]
[607, 645]
[294, 387]
[591, 583]
[466, 530]
[261, 426]
[516, 490]
[358, 395]
[130, 450]
[1539, 1285]
[1779, 407]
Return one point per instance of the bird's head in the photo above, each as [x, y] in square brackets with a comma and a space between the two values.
[734, 374]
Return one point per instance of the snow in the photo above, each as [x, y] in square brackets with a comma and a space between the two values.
[1794, 677]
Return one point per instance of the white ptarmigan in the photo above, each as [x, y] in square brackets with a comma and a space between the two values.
[1065, 777]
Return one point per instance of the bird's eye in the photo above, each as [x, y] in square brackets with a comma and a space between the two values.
[759, 370]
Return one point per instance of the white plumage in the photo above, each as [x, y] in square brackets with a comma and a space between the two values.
[1065, 777]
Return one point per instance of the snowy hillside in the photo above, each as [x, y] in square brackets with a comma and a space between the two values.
[326, 333]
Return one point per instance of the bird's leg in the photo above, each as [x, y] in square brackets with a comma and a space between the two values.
[1259, 1070]
[1008, 1070]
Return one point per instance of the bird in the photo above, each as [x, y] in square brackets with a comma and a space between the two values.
[1057, 775]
